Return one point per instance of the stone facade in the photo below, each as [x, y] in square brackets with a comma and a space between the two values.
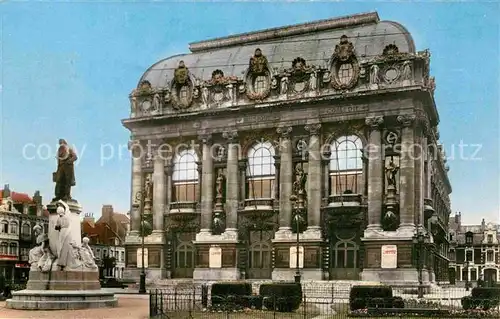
[334, 139]
[475, 251]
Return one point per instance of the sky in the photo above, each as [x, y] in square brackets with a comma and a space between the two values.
[67, 70]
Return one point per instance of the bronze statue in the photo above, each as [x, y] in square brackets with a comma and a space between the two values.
[64, 177]
[390, 173]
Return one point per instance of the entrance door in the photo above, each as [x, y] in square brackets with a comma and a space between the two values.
[259, 255]
[184, 256]
[490, 277]
[344, 257]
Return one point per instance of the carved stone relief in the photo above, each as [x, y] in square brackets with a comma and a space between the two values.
[182, 88]
[258, 78]
[344, 65]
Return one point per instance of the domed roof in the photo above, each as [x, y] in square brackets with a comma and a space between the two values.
[315, 42]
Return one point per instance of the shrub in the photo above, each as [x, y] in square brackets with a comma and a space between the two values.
[366, 293]
[283, 297]
[484, 297]
[230, 295]
[398, 302]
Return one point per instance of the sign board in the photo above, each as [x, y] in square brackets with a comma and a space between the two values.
[389, 258]
[215, 257]
[139, 258]
[293, 257]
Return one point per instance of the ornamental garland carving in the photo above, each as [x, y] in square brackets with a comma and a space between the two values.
[182, 88]
[258, 77]
[344, 65]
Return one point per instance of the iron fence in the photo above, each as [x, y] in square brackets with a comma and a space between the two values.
[325, 302]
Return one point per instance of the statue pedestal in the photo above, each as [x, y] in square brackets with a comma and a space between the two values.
[76, 286]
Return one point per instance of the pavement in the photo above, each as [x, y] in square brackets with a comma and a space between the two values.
[129, 307]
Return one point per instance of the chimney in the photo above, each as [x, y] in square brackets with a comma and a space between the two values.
[6, 191]
[483, 225]
[37, 199]
[107, 212]
[89, 217]
[458, 219]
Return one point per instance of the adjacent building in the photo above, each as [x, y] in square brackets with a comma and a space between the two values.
[19, 213]
[475, 251]
[328, 129]
[107, 238]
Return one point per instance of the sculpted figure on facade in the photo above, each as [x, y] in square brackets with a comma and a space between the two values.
[205, 96]
[220, 185]
[64, 177]
[299, 186]
[313, 81]
[390, 172]
[258, 63]
[284, 85]
[406, 74]
[374, 74]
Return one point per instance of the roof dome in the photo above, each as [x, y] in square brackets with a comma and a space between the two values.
[315, 42]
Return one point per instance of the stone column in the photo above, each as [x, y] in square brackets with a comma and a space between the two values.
[207, 181]
[242, 164]
[232, 186]
[159, 195]
[407, 173]
[137, 155]
[286, 179]
[375, 173]
[314, 179]
[169, 169]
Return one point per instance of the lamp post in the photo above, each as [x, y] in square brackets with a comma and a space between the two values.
[141, 196]
[298, 219]
[419, 241]
[466, 264]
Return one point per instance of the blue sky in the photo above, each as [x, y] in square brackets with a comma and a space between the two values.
[67, 70]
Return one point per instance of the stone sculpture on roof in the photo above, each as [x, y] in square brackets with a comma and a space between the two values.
[182, 88]
[258, 79]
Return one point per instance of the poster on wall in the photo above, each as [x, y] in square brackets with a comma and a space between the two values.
[389, 258]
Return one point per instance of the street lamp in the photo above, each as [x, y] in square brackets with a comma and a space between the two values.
[466, 264]
[141, 196]
[419, 241]
[298, 220]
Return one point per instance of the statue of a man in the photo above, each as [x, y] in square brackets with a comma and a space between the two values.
[390, 173]
[64, 177]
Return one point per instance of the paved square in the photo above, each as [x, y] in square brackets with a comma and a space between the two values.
[129, 307]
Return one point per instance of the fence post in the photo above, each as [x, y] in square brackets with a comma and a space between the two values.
[305, 306]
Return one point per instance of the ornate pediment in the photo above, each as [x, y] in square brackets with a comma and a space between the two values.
[258, 77]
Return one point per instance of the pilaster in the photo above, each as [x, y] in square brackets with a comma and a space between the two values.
[314, 181]
[407, 173]
[137, 152]
[375, 176]
[207, 183]
[286, 182]
[232, 184]
[159, 190]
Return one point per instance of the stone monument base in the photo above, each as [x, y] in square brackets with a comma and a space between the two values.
[61, 299]
[63, 280]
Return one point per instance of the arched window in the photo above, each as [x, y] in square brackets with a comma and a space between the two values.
[13, 228]
[346, 255]
[4, 248]
[261, 171]
[4, 226]
[346, 165]
[26, 230]
[185, 176]
[13, 249]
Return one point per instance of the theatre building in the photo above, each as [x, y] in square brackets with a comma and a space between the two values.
[328, 129]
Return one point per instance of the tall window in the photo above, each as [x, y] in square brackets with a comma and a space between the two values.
[185, 176]
[468, 238]
[13, 249]
[261, 171]
[4, 227]
[490, 256]
[346, 255]
[13, 228]
[26, 230]
[346, 165]
[490, 239]
[4, 249]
